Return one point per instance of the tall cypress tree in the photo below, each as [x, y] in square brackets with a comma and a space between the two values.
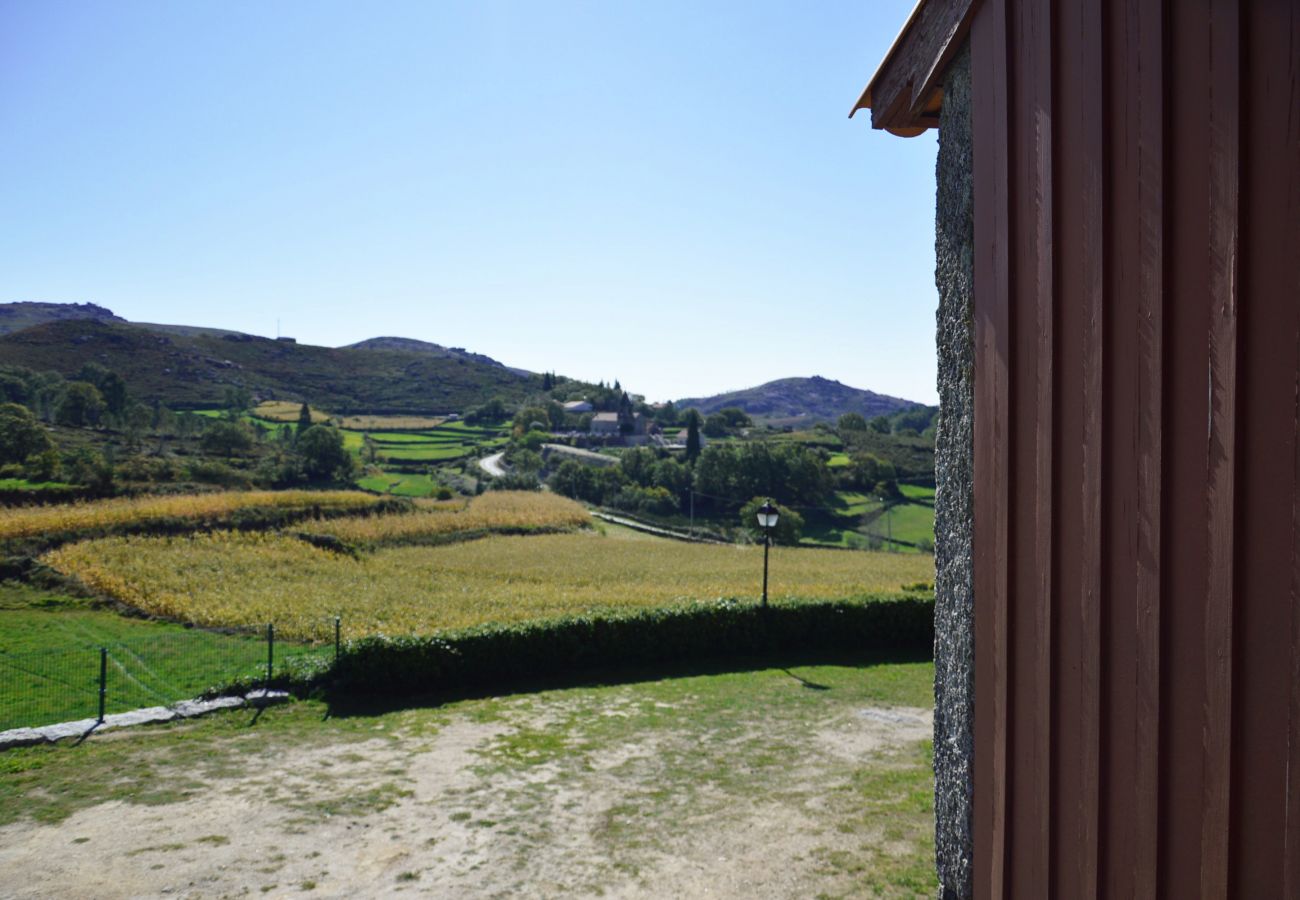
[304, 419]
[693, 439]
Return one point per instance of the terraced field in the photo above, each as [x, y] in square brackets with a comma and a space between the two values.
[249, 579]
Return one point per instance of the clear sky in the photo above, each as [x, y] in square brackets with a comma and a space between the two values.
[668, 193]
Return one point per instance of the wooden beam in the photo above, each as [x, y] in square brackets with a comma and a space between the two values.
[901, 92]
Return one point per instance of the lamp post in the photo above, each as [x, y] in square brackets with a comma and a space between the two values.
[767, 516]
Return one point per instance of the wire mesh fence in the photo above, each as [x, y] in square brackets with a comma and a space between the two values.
[62, 684]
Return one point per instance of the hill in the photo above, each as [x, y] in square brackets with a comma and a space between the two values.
[410, 345]
[17, 316]
[193, 367]
[789, 401]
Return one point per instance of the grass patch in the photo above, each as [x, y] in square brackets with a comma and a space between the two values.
[49, 659]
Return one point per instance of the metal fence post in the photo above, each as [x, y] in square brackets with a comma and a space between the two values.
[270, 654]
[103, 681]
[337, 629]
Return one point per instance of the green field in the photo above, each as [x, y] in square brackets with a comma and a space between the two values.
[909, 522]
[917, 492]
[399, 484]
[856, 517]
[50, 657]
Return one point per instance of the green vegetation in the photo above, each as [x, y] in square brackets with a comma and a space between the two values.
[188, 369]
[49, 658]
[504, 654]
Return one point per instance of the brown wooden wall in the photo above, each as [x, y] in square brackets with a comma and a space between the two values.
[1137, 378]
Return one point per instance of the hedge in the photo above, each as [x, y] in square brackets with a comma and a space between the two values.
[489, 655]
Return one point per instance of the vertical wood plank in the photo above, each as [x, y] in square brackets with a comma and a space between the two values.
[1090, 46]
[1149, 22]
[1120, 415]
[1223, 144]
[1291, 833]
[989, 65]
[1291, 225]
[1040, 62]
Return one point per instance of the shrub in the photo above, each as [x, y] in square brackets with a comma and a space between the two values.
[497, 654]
[789, 524]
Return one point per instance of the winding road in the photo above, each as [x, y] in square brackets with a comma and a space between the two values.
[492, 465]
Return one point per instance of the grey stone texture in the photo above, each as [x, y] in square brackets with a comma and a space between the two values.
[185, 709]
[954, 639]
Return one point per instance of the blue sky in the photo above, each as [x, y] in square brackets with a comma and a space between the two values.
[666, 193]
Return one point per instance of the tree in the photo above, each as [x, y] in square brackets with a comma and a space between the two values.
[226, 438]
[109, 384]
[304, 419]
[636, 464]
[492, 411]
[81, 405]
[692, 435]
[789, 524]
[715, 426]
[323, 455]
[881, 425]
[21, 435]
[735, 417]
[137, 419]
[13, 389]
[236, 399]
[530, 418]
[85, 466]
[851, 421]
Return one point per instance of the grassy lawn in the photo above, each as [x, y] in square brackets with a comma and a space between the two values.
[918, 493]
[909, 522]
[813, 777]
[423, 452]
[399, 484]
[49, 658]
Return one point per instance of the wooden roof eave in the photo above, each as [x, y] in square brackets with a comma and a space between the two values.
[906, 93]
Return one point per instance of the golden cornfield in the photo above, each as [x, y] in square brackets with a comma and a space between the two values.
[286, 411]
[494, 511]
[201, 509]
[389, 423]
[236, 579]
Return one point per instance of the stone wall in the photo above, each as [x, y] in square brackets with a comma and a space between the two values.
[954, 646]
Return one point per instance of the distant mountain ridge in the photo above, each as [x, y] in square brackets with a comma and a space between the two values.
[411, 345]
[193, 366]
[17, 316]
[796, 400]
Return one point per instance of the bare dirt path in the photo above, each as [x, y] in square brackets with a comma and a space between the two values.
[548, 796]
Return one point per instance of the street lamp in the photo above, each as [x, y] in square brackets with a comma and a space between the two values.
[767, 516]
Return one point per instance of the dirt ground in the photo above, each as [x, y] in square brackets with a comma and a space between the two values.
[524, 804]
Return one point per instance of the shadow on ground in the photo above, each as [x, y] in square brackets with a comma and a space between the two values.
[344, 704]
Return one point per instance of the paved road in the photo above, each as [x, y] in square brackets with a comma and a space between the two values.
[651, 529]
[492, 465]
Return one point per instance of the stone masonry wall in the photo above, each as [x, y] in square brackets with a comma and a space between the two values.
[954, 648]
